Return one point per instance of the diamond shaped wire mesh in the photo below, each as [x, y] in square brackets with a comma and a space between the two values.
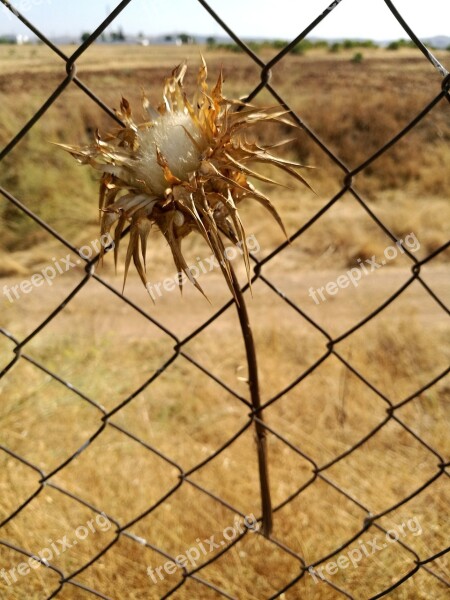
[319, 478]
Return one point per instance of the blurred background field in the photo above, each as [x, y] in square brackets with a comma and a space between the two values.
[344, 102]
[106, 349]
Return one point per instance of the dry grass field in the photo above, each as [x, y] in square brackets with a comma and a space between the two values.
[106, 349]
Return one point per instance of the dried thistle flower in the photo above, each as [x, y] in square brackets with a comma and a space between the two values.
[184, 169]
[187, 169]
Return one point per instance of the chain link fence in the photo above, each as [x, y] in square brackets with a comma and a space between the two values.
[195, 580]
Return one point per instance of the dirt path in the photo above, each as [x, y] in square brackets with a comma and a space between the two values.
[97, 310]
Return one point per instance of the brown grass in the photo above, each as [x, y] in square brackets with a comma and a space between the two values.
[107, 350]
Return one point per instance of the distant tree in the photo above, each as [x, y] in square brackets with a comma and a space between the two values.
[357, 58]
[85, 36]
[279, 44]
[118, 36]
[302, 47]
[168, 38]
[185, 38]
[229, 47]
[348, 44]
[368, 44]
[298, 49]
[393, 46]
[255, 46]
[211, 42]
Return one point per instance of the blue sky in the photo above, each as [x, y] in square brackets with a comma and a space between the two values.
[251, 18]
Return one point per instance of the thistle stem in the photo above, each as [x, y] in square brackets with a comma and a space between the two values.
[256, 403]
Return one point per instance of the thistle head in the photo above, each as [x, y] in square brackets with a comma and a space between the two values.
[185, 168]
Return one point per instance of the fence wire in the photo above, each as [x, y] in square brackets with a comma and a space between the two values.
[330, 345]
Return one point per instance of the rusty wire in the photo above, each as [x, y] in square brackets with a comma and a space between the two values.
[330, 344]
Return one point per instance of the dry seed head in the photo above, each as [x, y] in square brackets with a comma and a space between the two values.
[185, 169]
